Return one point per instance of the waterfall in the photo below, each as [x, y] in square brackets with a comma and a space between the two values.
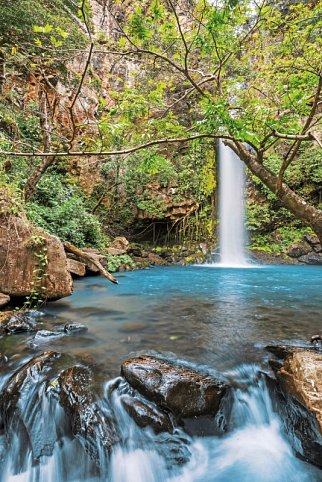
[232, 238]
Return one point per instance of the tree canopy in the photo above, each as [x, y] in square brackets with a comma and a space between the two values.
[245, 71]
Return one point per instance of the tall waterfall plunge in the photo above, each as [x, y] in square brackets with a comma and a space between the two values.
[232, 237]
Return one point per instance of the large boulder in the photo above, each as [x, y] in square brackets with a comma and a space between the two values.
[298, 393]
[22, 249]
[184, 392]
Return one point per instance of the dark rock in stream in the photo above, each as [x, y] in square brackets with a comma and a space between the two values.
[3, 361]
[45, 336]
[94, 429]
[14, 322]
[174, 449]
[297, 395]
[186, 393]
[146, 415]
[316, 339]
[71, 328]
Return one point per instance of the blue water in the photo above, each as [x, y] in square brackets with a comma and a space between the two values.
[214, 316]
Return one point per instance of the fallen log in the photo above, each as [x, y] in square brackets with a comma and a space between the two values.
[89, 258]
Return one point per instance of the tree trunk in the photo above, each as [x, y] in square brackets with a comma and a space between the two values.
[2, 72]
[309, 215]
[33, 179]
[46, 162]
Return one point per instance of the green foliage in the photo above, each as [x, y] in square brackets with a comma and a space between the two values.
[155, 206]
[38, 26]
[154, 163]
[114, 263]
[60, 209]
[307, 169]
[279, 241]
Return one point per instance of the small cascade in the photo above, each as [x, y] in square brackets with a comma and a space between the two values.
[254, 449]
[232, 237]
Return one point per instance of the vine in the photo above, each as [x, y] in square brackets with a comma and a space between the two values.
[37, 293]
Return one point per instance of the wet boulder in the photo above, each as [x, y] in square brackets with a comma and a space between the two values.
[12, 322]
[173, 448]
[45, 336]
[24, 378]
[178, 389]
[94, 429]
[147, 415]
[3, 361]
[73, 328]
[297, 392]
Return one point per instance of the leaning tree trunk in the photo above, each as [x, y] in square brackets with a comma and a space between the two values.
[33, 179]
[308, 214]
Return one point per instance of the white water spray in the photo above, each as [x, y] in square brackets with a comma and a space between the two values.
[232, 235]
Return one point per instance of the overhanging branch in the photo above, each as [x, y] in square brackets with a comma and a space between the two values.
[115, 153]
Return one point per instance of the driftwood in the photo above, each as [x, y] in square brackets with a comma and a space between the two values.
[89, 258]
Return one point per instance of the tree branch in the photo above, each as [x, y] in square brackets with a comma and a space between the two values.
[294, 149]
[80, 85]
[116, 153]
[139, 51]
[182, 37]
[296, 137]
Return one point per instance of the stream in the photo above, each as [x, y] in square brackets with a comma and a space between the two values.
[215, 319]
